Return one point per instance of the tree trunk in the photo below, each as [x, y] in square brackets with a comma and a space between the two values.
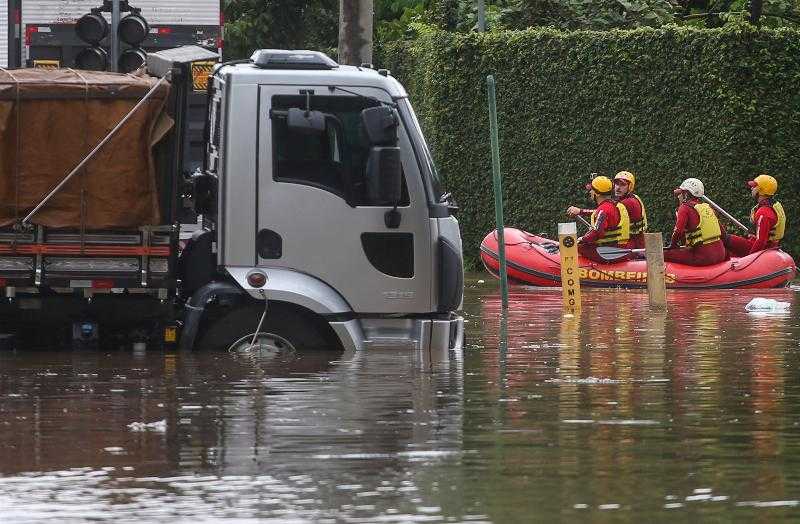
[756, 8]
[355, 31]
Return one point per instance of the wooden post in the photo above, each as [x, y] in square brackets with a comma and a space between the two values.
[656, 279]
[570, 279]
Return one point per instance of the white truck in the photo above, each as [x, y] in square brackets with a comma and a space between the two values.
[325, 223]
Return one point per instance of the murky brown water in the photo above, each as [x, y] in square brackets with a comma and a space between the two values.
[621, 414]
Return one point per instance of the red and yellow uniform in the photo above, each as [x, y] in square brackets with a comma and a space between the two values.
[610, 227]
[769, 219]
[638, 220]
[697, 237]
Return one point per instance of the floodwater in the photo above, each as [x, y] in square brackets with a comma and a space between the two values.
[620, 414]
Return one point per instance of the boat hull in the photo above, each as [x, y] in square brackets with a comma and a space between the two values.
[530, 263]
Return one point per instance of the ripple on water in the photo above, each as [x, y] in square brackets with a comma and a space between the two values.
[616, 411]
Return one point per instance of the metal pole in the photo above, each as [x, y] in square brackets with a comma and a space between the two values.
[725, 213]
[498, 190]
[115, 17]
[482, 16]
[94, 151]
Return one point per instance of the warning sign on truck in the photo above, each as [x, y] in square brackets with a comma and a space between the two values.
[200, 73]
[46, 64]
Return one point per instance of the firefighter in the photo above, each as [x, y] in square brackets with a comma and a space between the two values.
[767, 216]
[624, 183]
[697, 237]
[610, 222]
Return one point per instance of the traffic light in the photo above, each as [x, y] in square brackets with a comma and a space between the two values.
[133, 29]
[94, 29]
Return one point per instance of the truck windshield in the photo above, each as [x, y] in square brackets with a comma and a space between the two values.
[335, 160]
[433, 182]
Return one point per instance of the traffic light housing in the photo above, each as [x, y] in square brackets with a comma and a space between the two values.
[93, 29]
[132, 30]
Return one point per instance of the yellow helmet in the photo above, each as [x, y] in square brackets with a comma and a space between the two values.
[601, 184]
[766, 185]
[627, 176]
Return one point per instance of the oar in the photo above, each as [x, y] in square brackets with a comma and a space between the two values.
[615, 253]
[611, 254]
[550, 246]
[584, 221]
[725, 213]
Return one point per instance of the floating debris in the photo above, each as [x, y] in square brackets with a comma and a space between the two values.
[159, 426]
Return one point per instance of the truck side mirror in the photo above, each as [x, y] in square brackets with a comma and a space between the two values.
[305, 122]
[380, 125]
[385, 181]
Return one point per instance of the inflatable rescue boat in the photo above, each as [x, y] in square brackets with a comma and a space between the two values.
[534, 260]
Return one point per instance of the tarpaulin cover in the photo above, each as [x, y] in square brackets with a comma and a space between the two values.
[51, 119]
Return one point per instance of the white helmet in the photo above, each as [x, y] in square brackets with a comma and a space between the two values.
[693, 186]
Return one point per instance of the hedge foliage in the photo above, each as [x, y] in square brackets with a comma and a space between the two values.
[722, 105]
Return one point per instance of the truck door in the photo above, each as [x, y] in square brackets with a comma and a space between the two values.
[314, 210]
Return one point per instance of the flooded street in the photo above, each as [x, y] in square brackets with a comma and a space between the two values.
[620, 414]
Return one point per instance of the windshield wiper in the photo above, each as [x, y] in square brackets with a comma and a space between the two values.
[366, 97]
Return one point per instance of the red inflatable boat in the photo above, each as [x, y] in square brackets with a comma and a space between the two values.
[530, 262]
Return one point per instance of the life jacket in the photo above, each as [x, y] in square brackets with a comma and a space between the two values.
[619, 233]
[707, 230]
[639, 226]
[777, 231]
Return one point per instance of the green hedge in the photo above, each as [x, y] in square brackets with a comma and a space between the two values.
[720, 105]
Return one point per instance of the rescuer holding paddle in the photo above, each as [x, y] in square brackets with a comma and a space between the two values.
[624, 183]
[697, 237]
[610, 222]
[767, 216]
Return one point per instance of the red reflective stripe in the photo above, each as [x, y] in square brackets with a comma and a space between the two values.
[102, 284]
[29, 30]
[75, 249]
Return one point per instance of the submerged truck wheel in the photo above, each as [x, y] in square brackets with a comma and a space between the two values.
[264, 342]
[284, 329]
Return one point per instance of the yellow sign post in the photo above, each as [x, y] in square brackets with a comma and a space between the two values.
[570, 279]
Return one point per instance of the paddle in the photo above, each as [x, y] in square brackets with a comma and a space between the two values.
[584, 221]
[550, 246]
[611, 254]
[725, 213]
[615, 253]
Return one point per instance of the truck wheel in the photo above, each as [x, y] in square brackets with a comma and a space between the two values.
[284, 330]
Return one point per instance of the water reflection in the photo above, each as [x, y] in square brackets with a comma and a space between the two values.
[309, 435]
[619, 409]
[653, 410]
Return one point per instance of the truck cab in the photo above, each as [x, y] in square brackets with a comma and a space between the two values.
[326, 201]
